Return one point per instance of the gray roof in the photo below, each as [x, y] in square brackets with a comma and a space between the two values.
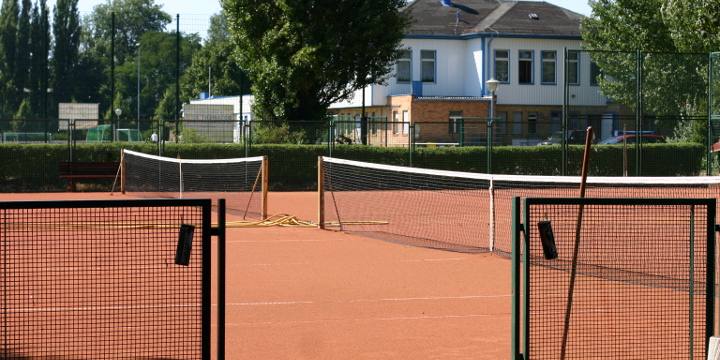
[464, 17]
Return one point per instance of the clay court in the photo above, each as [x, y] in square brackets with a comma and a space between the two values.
[306, 293]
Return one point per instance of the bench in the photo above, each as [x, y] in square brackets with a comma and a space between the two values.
[72, 170]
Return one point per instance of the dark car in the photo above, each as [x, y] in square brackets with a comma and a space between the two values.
[576, 137]
[646, 139]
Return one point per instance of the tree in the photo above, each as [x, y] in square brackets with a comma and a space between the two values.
[693, 25]
[673, 84]
[22, 54]
[133, 18]
[214, 66]
[66, 30]
[304, 55]
[9, 14]
[39, 50]
[157, 68]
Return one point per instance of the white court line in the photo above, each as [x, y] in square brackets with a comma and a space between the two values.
[367, 300]
[442, 259]
[269, 264]
[280, 241]
[367, 319]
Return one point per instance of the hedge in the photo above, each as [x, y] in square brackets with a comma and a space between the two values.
[33, 167]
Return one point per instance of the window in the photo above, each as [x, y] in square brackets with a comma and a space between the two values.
[573, 67]
[555, 120]
[595, 73]
[406, 122]
[404, 66]
[548, 67]
[453, 127]
[517, 123]
[502, 65]
[525, 67]
[427, 59]
[501, 124]
[532, 122]
[396, 121]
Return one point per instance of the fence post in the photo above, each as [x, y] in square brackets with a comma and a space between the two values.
[411, 144]
[461, 130]
[331, 137]
[489, 145]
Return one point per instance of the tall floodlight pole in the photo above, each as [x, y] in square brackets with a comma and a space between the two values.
[492, 86]
[138, 88]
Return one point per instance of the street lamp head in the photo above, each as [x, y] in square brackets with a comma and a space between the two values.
[492, 85]
[118, 111]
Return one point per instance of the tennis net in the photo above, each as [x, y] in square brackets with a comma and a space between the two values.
[101, 279]
[458, 211]
[242, 182]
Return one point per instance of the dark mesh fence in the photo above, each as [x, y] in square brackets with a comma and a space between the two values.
[103, 280]
[611, 278]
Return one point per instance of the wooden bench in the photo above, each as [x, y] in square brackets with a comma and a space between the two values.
[72, 170]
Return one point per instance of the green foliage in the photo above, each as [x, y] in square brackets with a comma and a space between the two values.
[673, 38]
[215, 60]
[133, 18]
[304, 55]
[157, 56]
[39, 51]
[190, 135]
[268, 133]
[65, 59]
[9, 14]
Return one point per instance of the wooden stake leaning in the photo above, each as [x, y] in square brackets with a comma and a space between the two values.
[573, 270]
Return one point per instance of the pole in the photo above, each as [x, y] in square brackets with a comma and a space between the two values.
[138, 89]
[489, 133]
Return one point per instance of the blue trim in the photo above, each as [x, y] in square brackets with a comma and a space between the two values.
[488, 35]
[450, 100]
[487, 69]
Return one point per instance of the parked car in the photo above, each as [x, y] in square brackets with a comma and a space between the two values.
[646, 139]
[576, 137]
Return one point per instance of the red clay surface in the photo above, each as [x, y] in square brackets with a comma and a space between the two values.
[305, 293]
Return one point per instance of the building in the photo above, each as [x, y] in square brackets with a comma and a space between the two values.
[438, 93]
[453, 49]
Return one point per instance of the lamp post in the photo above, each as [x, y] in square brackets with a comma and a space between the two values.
[492, 86]
[138, 89]
[118, 112]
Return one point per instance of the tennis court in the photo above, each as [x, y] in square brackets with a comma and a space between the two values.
[305, 293]
[299, 292]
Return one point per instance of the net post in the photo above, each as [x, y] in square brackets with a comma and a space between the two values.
[222, 265]
[321, 195]
[515, 279]
[265, 182]
[122, 171]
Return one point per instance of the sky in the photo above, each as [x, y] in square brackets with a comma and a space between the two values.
[172, 7]
[578, 6]
[195, 7]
